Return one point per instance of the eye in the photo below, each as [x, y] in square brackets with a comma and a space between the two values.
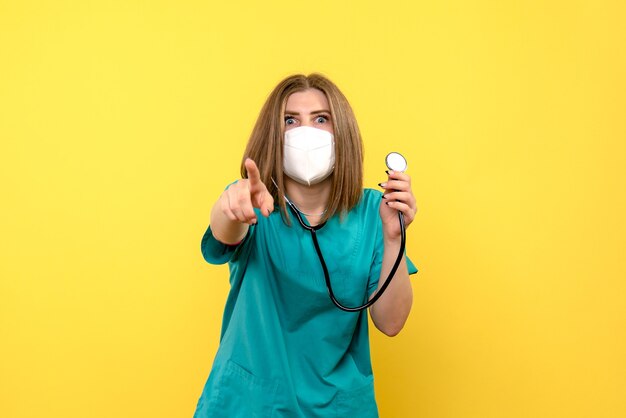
[289, 120]
[321, 119]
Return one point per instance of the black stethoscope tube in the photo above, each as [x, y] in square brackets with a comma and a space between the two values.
[394, 268]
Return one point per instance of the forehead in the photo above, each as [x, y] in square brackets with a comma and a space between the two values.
[312, 99]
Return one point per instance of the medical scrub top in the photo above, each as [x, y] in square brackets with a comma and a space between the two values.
[285, 349]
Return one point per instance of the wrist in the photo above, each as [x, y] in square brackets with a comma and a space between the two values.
[392, 239]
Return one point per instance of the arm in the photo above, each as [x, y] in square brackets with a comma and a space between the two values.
[391, 311]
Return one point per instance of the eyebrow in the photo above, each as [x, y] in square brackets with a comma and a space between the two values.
[315, 112]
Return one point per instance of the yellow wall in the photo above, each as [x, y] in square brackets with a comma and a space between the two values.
[121, 122]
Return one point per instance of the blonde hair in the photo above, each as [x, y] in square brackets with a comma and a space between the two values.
[265, 145]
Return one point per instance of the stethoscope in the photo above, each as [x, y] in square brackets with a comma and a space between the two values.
[395, 162]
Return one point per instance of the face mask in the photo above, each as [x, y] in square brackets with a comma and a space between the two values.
[309, 154]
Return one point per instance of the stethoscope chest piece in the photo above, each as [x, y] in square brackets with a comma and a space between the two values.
[396, 162]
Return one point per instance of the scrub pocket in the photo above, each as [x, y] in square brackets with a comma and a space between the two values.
[359, 403]
[240, 394]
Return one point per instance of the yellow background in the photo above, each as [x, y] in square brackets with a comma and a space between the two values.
[122, 121]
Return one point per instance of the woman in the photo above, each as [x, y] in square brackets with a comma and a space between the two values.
[285, 349]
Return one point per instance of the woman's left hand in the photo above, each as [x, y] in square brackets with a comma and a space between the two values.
[397, 196]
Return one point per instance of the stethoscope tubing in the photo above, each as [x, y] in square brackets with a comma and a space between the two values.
[392, 272]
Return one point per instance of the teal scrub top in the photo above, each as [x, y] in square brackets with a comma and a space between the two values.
[285, 349]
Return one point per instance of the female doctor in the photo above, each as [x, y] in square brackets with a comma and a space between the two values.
[285, 349]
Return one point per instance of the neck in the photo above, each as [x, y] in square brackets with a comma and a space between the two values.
[310, 200]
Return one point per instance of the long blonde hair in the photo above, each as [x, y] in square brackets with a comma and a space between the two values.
[265, 145]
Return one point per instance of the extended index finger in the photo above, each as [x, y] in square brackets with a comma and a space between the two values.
[254, 175]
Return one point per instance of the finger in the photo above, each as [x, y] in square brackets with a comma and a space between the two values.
[396, 185]
[254, 175]
[398, 175]
[237, 198]
[225, 206]
[246, 208]
[406, 210]
[242, 216]
[404, 197]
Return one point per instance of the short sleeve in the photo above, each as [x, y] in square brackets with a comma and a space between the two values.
[412, 268]
[216, 252]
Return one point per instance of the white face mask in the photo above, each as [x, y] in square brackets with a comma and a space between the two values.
[309, 154]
